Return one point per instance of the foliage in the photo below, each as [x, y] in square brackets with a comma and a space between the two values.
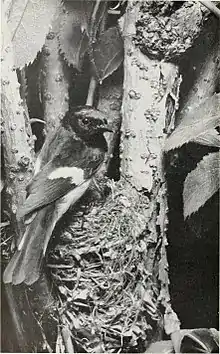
[80, 33]
[201, 183]
[73, 34]
[196, 122]
[200, 340]
[209, 138]
[107, 53]
[29, 22]
[198, 125]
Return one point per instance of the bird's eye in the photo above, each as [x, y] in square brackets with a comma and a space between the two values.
[85, 121]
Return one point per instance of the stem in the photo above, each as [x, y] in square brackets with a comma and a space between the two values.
[91, 91]
[93, 20]
[92, 37]
[93, 32]
[66, 334]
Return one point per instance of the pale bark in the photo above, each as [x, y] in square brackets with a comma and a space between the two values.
[18, 145]
[150, 100]
[18, 149]
[54, 81]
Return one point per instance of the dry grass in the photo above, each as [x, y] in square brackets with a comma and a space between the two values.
[107, 295]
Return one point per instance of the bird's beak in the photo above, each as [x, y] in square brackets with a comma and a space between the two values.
[106, 128]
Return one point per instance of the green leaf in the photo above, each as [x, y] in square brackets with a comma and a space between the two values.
[73, 38]
[29, 22]
[107, 53]
[201, 183]
[210, 138]
[195, 122]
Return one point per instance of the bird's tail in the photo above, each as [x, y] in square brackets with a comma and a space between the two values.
[25, 264]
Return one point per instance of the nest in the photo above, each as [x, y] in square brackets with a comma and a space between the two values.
[108, 298]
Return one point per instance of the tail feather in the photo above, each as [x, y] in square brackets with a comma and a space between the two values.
[25, 265]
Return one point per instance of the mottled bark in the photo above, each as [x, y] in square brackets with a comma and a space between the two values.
[17, 144]
[18, 150]
[54, 81]
[150, 100]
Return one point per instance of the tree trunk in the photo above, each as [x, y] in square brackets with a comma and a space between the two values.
[17, 144]
[54, 82]
[18, 149]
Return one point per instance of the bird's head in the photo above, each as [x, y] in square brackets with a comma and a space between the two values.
[87, 121]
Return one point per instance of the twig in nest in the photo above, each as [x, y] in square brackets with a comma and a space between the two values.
[60, 266]
[3, 224]
[67, 340]
[46, 344]
[5, 242]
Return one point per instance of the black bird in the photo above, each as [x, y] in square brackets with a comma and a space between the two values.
[64, 168]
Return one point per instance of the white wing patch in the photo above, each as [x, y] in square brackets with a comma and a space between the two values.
[63, 204]
[76, 174]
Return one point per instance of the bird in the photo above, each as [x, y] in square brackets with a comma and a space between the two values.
[65, 166]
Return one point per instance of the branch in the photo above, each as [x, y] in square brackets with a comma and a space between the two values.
[54, 80]
[91, 91]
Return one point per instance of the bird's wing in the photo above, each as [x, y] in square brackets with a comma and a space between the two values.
[26, 262]
[49, 185]
[71, 162]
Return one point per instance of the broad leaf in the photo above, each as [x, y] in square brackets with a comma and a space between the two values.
[210, 138]
[29, 22]
[201, 183]
[195, 122]
[73, 45]
[199, 340]
[107, 53]
[73, 36]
